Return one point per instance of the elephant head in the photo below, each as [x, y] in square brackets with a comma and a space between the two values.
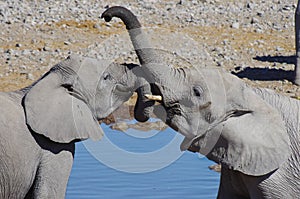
[218, 114]
[67, 102]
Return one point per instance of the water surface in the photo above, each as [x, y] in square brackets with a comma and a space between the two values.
[139, 175]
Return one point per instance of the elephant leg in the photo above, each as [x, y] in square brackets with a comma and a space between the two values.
[52, 175]
[232, 186]
[236, 185]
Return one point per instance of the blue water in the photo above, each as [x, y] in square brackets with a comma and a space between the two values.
[139, 165]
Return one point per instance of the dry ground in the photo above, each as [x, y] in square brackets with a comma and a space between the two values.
[267, 50]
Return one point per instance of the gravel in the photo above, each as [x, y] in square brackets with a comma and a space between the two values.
[253, 39]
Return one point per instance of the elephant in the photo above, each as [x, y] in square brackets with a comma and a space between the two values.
[41, 123]
[297, 44]
[254, 133]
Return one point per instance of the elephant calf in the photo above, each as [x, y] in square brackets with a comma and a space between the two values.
[39, 124]
[253, 133]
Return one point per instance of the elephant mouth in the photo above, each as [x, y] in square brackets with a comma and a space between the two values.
[119, 94]
[206, 139]
[122, 90]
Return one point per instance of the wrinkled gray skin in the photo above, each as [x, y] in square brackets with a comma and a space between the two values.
[297, 41]
[253, 133]
[41, 123]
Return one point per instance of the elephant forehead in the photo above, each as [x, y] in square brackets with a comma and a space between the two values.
[92, 69]
[73, 62]
[85, 66]
[89, 70]
[90, 73]
[216, 90]
[83, 71]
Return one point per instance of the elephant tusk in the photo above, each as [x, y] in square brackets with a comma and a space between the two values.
[296, 97]
[153, 97]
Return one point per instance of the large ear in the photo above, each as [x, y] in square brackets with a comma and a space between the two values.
[53, 112]
[253, 141]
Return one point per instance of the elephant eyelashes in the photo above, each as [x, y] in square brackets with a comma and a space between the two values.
[69, 87]
[106, 76]
[197, 91]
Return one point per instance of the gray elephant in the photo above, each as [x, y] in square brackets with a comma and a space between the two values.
[297, 44]
[41, 123]
[253, 133]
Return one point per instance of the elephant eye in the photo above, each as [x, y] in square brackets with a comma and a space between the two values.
[69, 87]
[106, 76]
[197, 91]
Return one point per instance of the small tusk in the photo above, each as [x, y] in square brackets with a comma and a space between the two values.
[153, 97]
[296, 97]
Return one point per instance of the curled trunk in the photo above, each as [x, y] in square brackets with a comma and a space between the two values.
[152, 65]
[146, 55]
[153, 69]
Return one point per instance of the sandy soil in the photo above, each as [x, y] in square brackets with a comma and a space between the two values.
[261, 57]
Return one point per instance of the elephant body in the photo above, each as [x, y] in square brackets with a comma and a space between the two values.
[253, 133]
[30, 161]
[40, 124]
[284, 181]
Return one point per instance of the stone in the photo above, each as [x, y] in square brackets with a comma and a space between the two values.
[67, 42]
[235, 25]
[30, 76]
[46, 48]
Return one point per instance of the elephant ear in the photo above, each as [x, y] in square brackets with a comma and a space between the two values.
[254, 141]
[53, 112]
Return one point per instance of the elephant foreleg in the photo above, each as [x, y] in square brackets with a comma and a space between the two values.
[52, 175]
[236, 185]
[231, 186]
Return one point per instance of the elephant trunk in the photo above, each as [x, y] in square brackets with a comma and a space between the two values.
[152, 65]
[128, 18]
[143, 107]
[153, 69]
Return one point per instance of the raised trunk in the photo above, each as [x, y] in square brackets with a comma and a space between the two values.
[143, 107]
[297, 37]
[140, 42]
[152, 65]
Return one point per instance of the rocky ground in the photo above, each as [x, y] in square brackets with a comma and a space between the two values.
[253, 39]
